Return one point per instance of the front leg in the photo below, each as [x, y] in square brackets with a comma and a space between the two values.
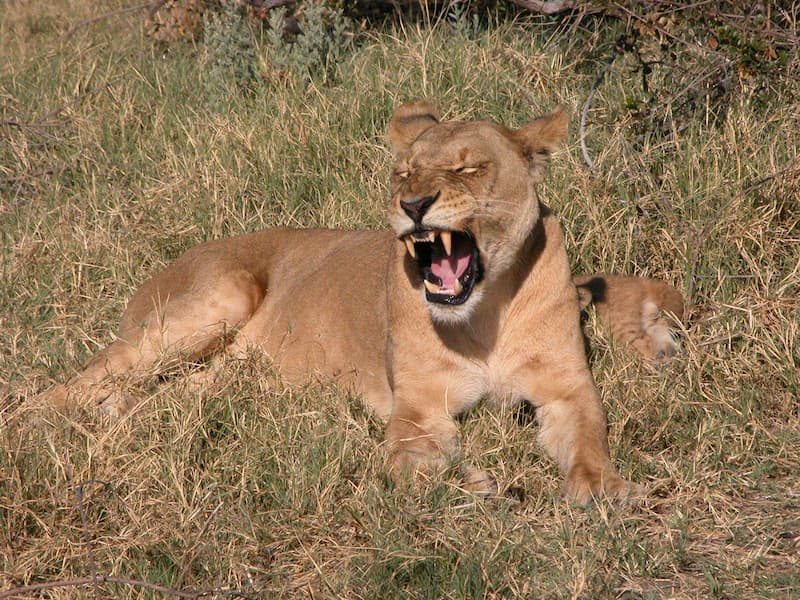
[572, 428]
[423, 436]
[421, 432]
[421, 439]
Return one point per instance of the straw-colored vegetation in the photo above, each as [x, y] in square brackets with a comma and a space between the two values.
[116, 154]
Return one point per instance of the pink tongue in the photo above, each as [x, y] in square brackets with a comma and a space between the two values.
[449, 268]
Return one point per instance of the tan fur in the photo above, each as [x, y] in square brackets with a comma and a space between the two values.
[641, 312]
[352, 305]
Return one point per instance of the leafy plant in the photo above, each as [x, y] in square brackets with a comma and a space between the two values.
[231, 51]
[323, 37]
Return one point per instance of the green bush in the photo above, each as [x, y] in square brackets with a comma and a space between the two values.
[231, 53]
[325, 37]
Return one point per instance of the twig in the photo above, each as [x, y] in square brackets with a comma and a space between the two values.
[26, 590]
[270, 4]
[546, 7]
[43, 122]
[191, 552]
[675, 38]
[20, 125]
[719, 340]
[113, 13]
[97, 581]
[39, 128]
[586, 105]
[86, 540]
[725, 276]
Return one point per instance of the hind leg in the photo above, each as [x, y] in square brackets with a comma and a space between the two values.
[96, 384]
[249, 337]
[161, 328]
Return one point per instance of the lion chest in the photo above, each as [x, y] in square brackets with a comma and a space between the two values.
[470, 381]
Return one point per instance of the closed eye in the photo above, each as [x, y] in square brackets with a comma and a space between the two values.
[466, 170]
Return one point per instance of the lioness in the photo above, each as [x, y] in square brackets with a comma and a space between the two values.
[469, 296]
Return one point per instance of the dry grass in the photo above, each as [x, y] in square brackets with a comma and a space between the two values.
[115, 164]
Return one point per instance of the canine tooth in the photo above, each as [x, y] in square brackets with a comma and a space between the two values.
[430, 286]
[457, 288]
[410, 245]
[447, 241]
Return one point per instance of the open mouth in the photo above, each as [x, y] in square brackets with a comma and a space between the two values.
[449, 263]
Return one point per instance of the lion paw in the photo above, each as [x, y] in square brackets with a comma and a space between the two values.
[405, 463]
[101, 397]
[479, 482]
[115, 405]
[585, 487]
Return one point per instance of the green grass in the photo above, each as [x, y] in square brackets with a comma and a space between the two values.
[119, 161]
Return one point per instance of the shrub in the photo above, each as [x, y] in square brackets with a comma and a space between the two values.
[231, 53]
[323, 38]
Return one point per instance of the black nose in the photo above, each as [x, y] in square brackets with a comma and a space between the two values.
[416, 209]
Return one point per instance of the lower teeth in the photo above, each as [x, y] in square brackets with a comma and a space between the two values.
[435, 289]
[431, 287]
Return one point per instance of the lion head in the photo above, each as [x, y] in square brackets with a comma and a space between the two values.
[464, 201]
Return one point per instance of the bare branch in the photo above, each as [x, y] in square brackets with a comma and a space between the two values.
[26, 590]
[48, 120]
[546, 7]
[113, 13]
[79, 495]
[586, 105]
[270, 4]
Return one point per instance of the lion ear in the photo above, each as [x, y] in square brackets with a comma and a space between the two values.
[541, 137]
[409, 121]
